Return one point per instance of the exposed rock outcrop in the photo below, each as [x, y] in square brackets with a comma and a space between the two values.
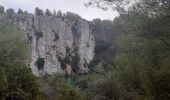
[57, 42]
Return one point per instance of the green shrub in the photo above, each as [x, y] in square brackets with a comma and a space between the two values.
[16, 80]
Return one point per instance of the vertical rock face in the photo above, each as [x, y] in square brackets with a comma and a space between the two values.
[104, 32]
[57, 42]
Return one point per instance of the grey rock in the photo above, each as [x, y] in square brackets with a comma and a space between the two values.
[59, 42]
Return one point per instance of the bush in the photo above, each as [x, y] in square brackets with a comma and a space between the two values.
[59, 14]
[64, 88]
[20, 11]
[48, 12]
[38, 11]
[16, 80]
[2, 9]
[10, 12]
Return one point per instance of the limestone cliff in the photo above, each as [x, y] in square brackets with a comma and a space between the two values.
[57, 42]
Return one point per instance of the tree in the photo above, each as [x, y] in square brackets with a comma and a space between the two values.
[142, 52]
[1, 9]
[48, 12]
[59, 14]
[20, 11]
[72, 16]
[25, 12]
[106, 4]
[10, 12]
[54, 13]
[154, 8]
[16, 79]
[38, 11]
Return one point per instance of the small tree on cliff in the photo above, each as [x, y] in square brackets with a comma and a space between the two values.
[10, 12]
[38, 11]
[54, 13]
[48, 12]
[1, 9]
[59, 14]
[25, 12]
[20, 11]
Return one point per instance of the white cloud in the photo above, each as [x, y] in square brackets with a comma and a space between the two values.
[76, 6]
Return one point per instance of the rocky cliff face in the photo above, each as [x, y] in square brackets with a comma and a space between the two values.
[57, 43]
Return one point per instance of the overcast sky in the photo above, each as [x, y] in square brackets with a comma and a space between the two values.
[76, 6]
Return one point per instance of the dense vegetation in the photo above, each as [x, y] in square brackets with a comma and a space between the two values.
[16, 79]
[139, 70]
